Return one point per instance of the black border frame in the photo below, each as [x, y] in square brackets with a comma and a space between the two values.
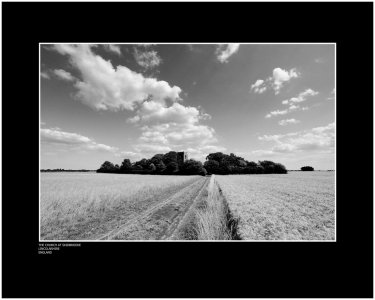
[341, 269]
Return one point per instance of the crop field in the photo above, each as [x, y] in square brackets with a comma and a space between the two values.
[90, 206]
[293, 206]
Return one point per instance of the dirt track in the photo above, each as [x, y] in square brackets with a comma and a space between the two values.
[161, 220]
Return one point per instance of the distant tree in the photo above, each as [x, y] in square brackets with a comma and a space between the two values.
[218, 156]
[259, 169]
[280, 169]
[107, 167]
[271, 168]
[170, 157]
[160, 166]
[157, 158]
[212, 166]
[216, 163]
[307, 168]
[152, 167]
[137, 167]
[193, 167]
[144, 163]
[172, 167]
[241, 163]
[126, 165]
[251, 168]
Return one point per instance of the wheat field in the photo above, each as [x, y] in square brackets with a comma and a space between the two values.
[294, 206]
[87, 205]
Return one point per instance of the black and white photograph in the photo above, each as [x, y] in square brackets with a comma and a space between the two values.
[191, 142]
[191, 149]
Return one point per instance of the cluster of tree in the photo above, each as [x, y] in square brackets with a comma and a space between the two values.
[307, 168]
[168, 164]
[219, 163]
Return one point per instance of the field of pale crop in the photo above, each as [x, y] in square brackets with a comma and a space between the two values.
[87, 206]
[293, 206]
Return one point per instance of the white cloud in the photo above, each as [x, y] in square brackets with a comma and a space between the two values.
[276, 81]
[152, 148]
[276, 113]
[164, 125]
[319, 60]
[280, 76]
[56, 136]
[301, 97]
[64, 75]
[259, 86]
[288, 121]
[154, 112]
[45, 75]
[293, 107]
[224, 51]
[104, 87]
[112, 48]
[173, 128]
[321, 139]
[147, 59]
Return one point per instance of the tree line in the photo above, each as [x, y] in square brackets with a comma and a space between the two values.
[216, 163]
[219, 163]
[167, 164]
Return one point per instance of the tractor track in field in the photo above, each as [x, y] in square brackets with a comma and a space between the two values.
[161, 220]
[174, 227]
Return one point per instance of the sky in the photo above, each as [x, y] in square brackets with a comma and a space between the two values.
[103, 102]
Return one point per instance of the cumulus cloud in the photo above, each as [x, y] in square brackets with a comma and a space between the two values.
[64, 75]
[147, 59]
[276, 81]
[176, 128]
[128, 154]
[280, 76]
[288, 121]
[165, 124]
[316, 139]
[276, 113]
[301, 97]
[154, 112]
[259, 86]
[56, 136]
[112, 48]
[224, 51]
[104, 87]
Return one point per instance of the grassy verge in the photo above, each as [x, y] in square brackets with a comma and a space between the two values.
[210, 218]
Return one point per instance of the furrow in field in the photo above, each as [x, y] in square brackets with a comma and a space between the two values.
[208, 219]
[152, 223]
[174, 228]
